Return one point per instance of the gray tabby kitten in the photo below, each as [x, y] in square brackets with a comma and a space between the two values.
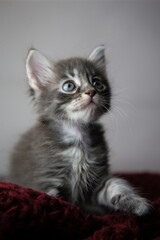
[65, 154]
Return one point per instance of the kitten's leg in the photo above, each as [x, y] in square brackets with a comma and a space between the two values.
[117, 194]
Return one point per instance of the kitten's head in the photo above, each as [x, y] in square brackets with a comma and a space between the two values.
[74, 89]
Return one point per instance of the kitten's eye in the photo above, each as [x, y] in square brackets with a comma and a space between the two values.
[69, 86]
[98, 85]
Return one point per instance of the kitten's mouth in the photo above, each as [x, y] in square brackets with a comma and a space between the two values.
[88, 105]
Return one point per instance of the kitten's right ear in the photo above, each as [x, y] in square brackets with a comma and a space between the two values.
[39, 70]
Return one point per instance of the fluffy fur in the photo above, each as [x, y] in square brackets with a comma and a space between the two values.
[65, 154]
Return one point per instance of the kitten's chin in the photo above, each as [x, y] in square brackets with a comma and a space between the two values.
[86, 113]
[90, 106]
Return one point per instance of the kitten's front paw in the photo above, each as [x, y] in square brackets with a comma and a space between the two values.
[130, 203]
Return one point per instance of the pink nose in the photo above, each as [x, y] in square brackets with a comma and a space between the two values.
[90, 92]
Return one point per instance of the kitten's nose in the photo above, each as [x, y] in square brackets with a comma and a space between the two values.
[90, 92]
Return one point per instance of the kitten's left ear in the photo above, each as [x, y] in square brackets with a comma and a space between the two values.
[98, 57]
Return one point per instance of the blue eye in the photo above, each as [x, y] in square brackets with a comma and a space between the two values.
[69, 86]
[98, 85]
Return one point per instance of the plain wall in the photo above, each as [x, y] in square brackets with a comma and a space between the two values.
[130, 31]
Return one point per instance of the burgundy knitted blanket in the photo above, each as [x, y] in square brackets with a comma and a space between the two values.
[28, 214]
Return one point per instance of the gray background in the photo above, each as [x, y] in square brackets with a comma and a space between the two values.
[130, 31]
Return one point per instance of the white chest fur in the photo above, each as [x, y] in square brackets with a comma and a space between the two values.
[72, 132]
[79, 173]
[78, 159]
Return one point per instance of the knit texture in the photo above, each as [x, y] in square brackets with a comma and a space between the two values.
[28, 214]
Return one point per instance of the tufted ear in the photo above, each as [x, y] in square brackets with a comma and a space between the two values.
[39, 70]
[98, 57]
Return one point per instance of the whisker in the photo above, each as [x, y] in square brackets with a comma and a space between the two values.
[126, 102]
[122, 113]
[114, 93]
[114, 122]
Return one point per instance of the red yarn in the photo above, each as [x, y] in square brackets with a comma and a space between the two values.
[28, 214]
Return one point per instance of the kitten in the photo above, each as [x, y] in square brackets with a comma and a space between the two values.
[65, 154]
